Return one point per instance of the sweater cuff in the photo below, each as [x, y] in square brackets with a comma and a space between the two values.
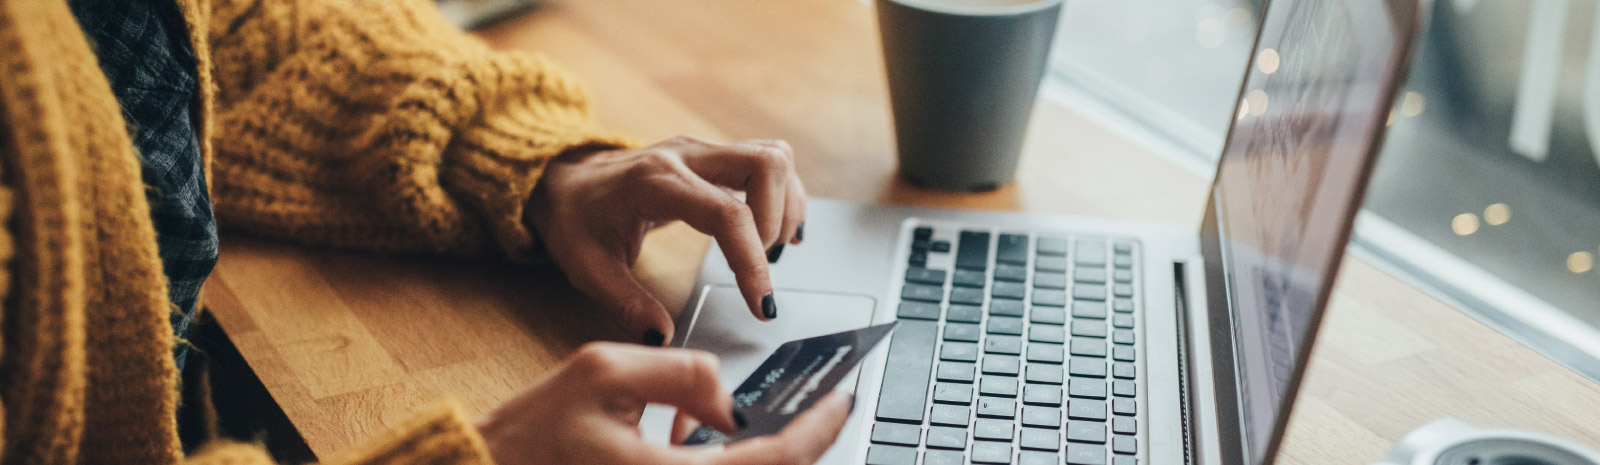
[438, 436]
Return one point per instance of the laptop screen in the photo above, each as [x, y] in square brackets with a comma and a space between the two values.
[1290, 181]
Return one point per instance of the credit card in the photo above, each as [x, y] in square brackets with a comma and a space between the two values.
[794, 378]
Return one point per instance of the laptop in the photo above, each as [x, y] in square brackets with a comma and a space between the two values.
[1028, 339]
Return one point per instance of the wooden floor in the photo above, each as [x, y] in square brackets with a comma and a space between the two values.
[350, 344]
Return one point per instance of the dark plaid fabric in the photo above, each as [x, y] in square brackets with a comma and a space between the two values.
[144, 50]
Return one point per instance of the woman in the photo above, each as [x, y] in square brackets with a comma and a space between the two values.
[131, 128]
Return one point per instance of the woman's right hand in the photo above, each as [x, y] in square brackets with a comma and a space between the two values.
[586, 412]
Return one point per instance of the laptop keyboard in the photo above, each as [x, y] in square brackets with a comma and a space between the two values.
[1021, 353]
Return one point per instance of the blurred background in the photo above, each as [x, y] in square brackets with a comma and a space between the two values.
[1487, 192]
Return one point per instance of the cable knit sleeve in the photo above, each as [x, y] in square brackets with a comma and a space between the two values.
[376, 124]
[440, 436]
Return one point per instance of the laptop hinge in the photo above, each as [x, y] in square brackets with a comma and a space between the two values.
[1186, 395]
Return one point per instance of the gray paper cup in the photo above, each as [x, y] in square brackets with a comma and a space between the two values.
[963, 75]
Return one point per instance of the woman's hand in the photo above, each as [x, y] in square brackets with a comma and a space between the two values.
[592, 210]
[586, 411]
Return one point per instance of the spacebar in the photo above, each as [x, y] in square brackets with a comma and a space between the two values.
[905, 378]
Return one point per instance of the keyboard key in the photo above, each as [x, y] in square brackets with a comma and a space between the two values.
[1089, 309]
[1090, 252]
[1007, 345]
[998, 386]
[1033, 457]
[1005, 325]
[921, 244]
[918, 258]
[1086, 454]
[1005, 307]
[960, 332]
[1052, 264]
[1056, 246]
[1122, 371]
[922, 233]
[966, 295]
[1124, 425]
[1124, 445]
[1124, 460]
[1047, 333]
[922, 293]
[1041, 417]
[991, 407]
[947, 438]
[1122, 336]
[1084, 409]
[1122, 320]
[1086, 388]
[1087, 367]
[1040, 439]
[943, 457]
[957, 372]
[1124, 406]
[1085, 292]
[1005, 290]
[1035, 394]
[1050, 280]
[1124, 261]
[1001, 365]
[918, 311]
[991, 452]
[941, 247]
[949, 415]
[1086, 431]
[964, 314]
[895, 433]
[1122, 276]
[1049, 297]
[891, 455]
[947, 393]
[1085, 328]
[925, 276]
[1012, 273]
[991, 430]
[1124, 388]
[1039, 352]
[1090, 275]
[905, 378]
[1123, 248]
[1088, 347]
[1044, 374]
[1049, 316]
[969, 278]
[1122, 306]
[1011, 248]
[1121, 290]
[1122, 353]
[972, 250]
[959, 352]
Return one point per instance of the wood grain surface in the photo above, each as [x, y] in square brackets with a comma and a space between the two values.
[350, 344]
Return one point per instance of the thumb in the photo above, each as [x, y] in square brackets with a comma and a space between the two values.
[608, 280]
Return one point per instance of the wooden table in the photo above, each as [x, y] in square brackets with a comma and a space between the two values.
[349, 344]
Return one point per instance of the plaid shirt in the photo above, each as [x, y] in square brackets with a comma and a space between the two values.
[144, 51]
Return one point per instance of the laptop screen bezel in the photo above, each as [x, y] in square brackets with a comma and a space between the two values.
[1405, 20]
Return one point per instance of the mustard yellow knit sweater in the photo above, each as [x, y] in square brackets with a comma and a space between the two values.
[357, 123]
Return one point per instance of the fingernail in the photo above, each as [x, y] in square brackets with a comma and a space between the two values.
[654, 338]
[738, 419]
[769, 308]
[772, 255]
[800, 233]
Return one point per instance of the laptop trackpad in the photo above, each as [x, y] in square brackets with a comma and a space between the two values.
[724, 326]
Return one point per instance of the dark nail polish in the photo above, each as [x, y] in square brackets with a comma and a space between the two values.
[769, 308]
[852, 402]
[800, 232]
[739, 420]
[654, 338]
[772, 255]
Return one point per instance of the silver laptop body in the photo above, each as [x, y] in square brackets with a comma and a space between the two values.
[1166, 346]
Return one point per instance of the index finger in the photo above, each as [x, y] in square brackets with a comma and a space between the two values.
[709, 209]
